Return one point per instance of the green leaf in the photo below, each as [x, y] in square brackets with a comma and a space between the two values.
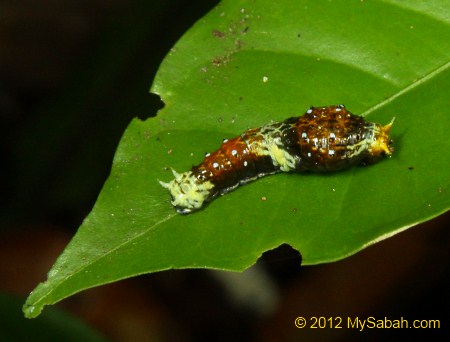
[248, 62]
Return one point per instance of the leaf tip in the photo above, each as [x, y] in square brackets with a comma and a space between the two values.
[31, 310]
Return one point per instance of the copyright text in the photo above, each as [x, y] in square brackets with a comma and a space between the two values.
[361, 324]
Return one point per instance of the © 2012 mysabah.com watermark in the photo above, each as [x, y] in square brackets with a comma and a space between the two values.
[360, 324]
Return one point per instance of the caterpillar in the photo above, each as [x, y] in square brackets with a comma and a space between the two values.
[323, 139]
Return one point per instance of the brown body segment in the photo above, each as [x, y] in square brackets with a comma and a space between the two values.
[331, 138]
[235, 162]
[224, 165]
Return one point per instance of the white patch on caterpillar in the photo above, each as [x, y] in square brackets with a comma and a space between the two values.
[357, 149]
[363, 145]
[188, 194]
[272, 145]
[281, 158]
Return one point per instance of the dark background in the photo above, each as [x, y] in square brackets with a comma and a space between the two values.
[72, 76]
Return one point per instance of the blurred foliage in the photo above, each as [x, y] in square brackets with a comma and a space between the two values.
[54, 325]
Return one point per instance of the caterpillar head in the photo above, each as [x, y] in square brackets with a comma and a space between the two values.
[381, 144]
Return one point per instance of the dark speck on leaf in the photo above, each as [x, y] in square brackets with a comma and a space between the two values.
[218, 34]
